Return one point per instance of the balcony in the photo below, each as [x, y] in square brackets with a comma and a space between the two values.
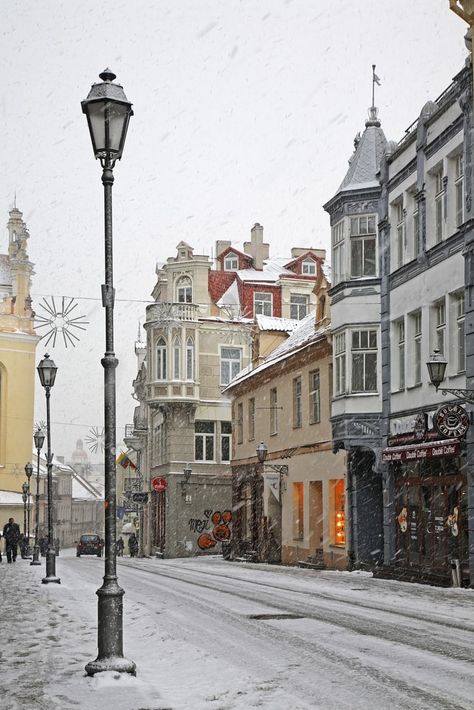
[171, 392]
[134, 438]
[165, 314]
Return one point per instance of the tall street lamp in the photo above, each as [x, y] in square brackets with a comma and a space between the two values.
[24, 496]
[47, 374]
[38, 436]
[108, 113]
[29, 472]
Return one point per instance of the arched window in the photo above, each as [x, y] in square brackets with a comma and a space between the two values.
[190, 359]
[184, 290]
[161, 369]
[177, 358]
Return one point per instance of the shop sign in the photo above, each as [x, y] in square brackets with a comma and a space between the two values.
[451, 421]
[158, 484]
[140, 497]
[423, 451]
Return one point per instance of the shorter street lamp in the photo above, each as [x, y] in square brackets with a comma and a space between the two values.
[262, 451]
[24, 496]
[187, 471]
[436, 369]
[47, 374]
[29, 472]
[38, 436]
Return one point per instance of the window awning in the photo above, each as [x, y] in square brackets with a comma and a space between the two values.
[417, 452]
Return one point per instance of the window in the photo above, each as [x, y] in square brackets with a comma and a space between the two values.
[338, 522]
[440, 311]
[338, 252]
[364, 361]
[184, 290]
[161, 359]
[263, 303]
[297, 414]
[251, 418]
[340, 363]
[226, 440]
[460, 332]
[190, 359]
[273, 411]
[231, 262]
[400, 217]
[363, 246]
[240, 423]
[439, 205]
[459, 189]
[314, 397]
[416, 320]
[400, 326]
[177, 358]
[416, 232]
[298, 306]
[231, 364]
[204, 441]
[308, 267]
[298, 511]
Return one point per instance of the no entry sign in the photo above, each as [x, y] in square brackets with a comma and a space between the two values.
[158, 484]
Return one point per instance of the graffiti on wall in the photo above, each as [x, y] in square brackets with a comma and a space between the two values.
[220, 532]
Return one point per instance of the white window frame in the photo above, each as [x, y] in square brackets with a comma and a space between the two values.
[189, 359]
[273, 411]
[438, 205]
[230, 366]
[459, 189]
[176, 357]
[226, 436]
[308, 267]
[205, 437]
[440, 325]
[400, 326]
[339, 364]
[299, 304]
[240, 423]
[363, 350]
[184, 290]
[314, 396]
[161, 359]
[417, 338]
[338, 252]
[400, 233]
[263, 303]
[297, 402]
[460, 332]
[231, 262]
[251, 417]
[363, 236]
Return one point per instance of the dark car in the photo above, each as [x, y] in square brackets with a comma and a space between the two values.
[89, 545]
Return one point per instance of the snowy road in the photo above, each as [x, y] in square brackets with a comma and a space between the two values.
[208, 633]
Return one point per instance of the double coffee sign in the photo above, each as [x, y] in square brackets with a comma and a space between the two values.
[451, 421]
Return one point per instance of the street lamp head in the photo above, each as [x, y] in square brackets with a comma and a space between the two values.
[262, 451]
[187, 471]
[28, 471]
[38, 436]
[24, 488]
[47, 371]
[436, 368]
[108, 113]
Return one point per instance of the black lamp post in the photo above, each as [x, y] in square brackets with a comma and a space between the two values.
[24, 496]
[38, 436]
[47, 374]
[108, 113]
[436, 368]
[29, 472]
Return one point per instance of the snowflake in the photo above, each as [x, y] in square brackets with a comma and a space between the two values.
[95, 440]
[60, 320]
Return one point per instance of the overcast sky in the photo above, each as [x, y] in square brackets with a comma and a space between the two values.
[244, 111]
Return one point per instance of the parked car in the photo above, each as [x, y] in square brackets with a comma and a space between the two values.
[89, 545]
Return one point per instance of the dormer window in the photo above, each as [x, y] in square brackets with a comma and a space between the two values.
[308, 267]
[184, 290]
[231, 262]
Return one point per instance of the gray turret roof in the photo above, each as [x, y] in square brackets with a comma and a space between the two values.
[365, 161]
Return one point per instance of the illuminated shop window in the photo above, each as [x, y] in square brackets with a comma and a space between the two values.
[339, 516]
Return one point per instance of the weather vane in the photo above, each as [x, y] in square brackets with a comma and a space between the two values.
[60, 321]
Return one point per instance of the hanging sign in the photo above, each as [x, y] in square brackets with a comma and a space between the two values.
[451, 421]
[272, 481]
[158, 484]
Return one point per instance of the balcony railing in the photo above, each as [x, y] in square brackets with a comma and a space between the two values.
[166, 313]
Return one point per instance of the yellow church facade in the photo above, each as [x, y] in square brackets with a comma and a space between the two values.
[18, 342]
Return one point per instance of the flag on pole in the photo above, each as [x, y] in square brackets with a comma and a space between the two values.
[377, 80]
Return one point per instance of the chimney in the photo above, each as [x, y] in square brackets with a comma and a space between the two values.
[256, 248]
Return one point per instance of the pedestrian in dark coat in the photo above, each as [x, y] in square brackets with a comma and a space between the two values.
[11, 533]
[133, 545]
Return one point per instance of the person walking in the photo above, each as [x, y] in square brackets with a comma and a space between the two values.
[133, 545]
[120, 546]
[11, 533]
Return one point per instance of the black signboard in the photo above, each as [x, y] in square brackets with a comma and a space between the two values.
[140, 498]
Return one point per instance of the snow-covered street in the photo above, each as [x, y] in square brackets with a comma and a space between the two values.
[207, 633]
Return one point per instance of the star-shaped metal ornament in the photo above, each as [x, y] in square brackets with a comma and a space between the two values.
[95, 439]
[60, 320]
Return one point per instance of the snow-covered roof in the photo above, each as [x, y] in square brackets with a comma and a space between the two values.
[231, 296]
[273, 323]
[272, 270]
[302, 335]
[365, 162]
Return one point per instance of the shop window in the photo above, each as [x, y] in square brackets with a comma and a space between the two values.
[298, 511]
[338, 516]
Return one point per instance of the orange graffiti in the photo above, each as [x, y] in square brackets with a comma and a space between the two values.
[220, 531]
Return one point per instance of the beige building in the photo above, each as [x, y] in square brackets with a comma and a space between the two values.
[289, 506]
[17, 358]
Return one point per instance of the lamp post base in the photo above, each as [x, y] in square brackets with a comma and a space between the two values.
[36, 554]
[50, 579]
[114, 663]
